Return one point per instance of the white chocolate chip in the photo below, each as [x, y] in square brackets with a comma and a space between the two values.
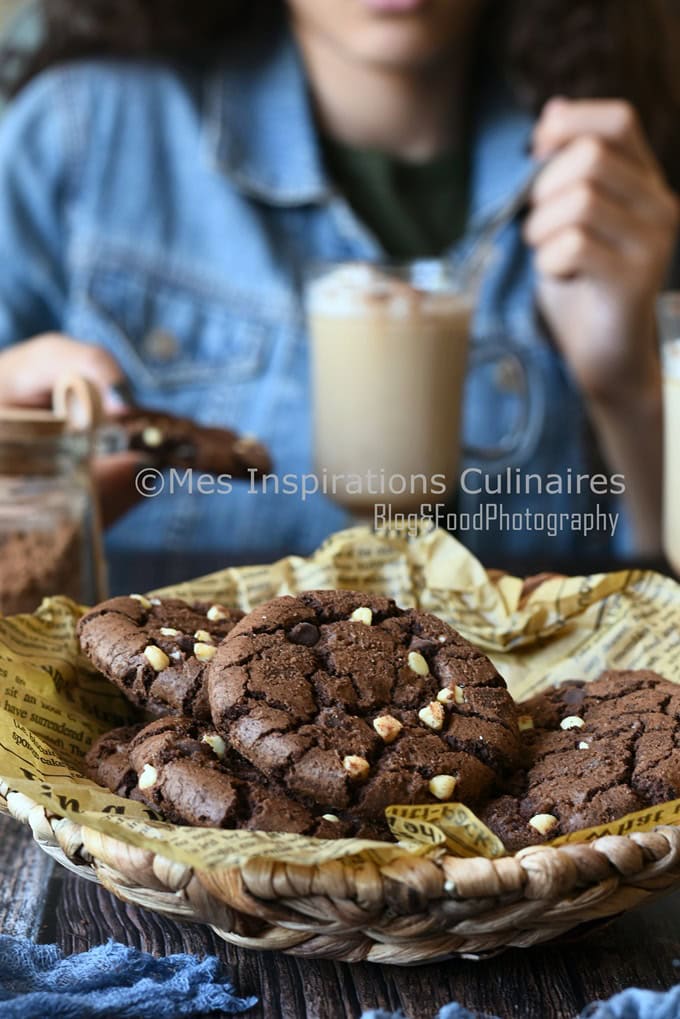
[216, 612]
[204, 652]
[156, 658]
[387, 727]
[543, 823]
[583, 745]
[446, 696]
[203, 636]
[152, 437]
[246, 445]
[442, 786]
[144, 602]
[417, 664]
[525, 722]
[362, 615]
[333, 818]
[432, 715]
[168, 631]
[216, 744]
[572, 722]
[147, 777]
[459, 695]
[356, 767]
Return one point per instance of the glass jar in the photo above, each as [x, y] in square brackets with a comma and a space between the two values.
[50, 539]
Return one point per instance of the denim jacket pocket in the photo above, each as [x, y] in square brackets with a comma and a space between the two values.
[167, 334]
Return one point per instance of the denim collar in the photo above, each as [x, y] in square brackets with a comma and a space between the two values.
[261, 132]
[261, 128]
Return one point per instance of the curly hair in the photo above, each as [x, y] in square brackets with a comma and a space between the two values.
[573, 48]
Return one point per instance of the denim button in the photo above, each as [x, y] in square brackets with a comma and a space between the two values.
[508, 376]
[161, 345]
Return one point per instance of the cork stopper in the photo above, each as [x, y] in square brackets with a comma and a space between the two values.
[18, 425]
[76, 408]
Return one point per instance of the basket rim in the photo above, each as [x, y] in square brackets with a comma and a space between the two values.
[546, 871]
[407, 912]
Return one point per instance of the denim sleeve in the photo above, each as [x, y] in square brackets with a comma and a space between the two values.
[37, 158]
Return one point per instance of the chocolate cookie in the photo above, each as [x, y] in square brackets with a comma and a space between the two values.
[156, 650]
[351, 702]
[170, 441]
[184, 770]
[594, 752]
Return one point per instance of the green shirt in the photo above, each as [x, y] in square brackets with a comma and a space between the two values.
[416, 210]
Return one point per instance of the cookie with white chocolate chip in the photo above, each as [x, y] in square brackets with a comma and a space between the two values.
[594, 752]
[348, 700]
[171, 441]
[156, 650]
[184, 770]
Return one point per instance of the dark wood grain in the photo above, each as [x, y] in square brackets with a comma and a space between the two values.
[554, 982]
[25, 873]
[44, 901]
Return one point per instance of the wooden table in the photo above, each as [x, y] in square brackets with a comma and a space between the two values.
[41, 900]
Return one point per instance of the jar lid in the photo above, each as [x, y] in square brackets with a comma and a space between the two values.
[76, 408]
[16, 424]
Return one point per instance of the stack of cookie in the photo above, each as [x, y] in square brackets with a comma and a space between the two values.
[314, 713]
[309, 715]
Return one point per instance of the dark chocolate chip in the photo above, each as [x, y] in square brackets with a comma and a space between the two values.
[574, 696]
[423, 645]
[304, 633]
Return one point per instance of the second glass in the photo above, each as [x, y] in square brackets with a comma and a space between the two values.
[669, 326]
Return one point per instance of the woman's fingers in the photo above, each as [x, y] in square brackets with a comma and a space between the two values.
[115, 482]
[612, 120]
[584, 205]
[601, 206]
[576, 251]
[593, 161]
[29, 370]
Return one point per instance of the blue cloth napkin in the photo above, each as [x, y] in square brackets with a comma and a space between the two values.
[111, 980]
[635, 1004]
[630, 1004]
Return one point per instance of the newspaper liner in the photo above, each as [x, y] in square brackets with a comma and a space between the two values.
[53, 705]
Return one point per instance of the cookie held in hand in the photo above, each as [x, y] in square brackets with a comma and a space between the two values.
[170, 441]
[156, 650]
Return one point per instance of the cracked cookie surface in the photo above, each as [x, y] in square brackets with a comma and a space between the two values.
[182, 768]
[156, 650]
[595, 752]
[355, 704]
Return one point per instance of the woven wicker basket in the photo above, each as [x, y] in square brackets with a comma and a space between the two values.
[414, 910]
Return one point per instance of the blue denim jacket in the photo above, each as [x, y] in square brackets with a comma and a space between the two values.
[167, 214]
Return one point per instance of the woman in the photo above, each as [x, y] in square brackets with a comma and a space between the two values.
[165, 176]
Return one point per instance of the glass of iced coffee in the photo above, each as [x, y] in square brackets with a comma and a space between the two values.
[390, 349]
[669, 326]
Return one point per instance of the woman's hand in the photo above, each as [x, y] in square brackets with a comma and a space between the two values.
[28, 373]
[29, 370]
[603, 226]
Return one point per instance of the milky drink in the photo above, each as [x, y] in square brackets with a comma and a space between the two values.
[388, 362]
